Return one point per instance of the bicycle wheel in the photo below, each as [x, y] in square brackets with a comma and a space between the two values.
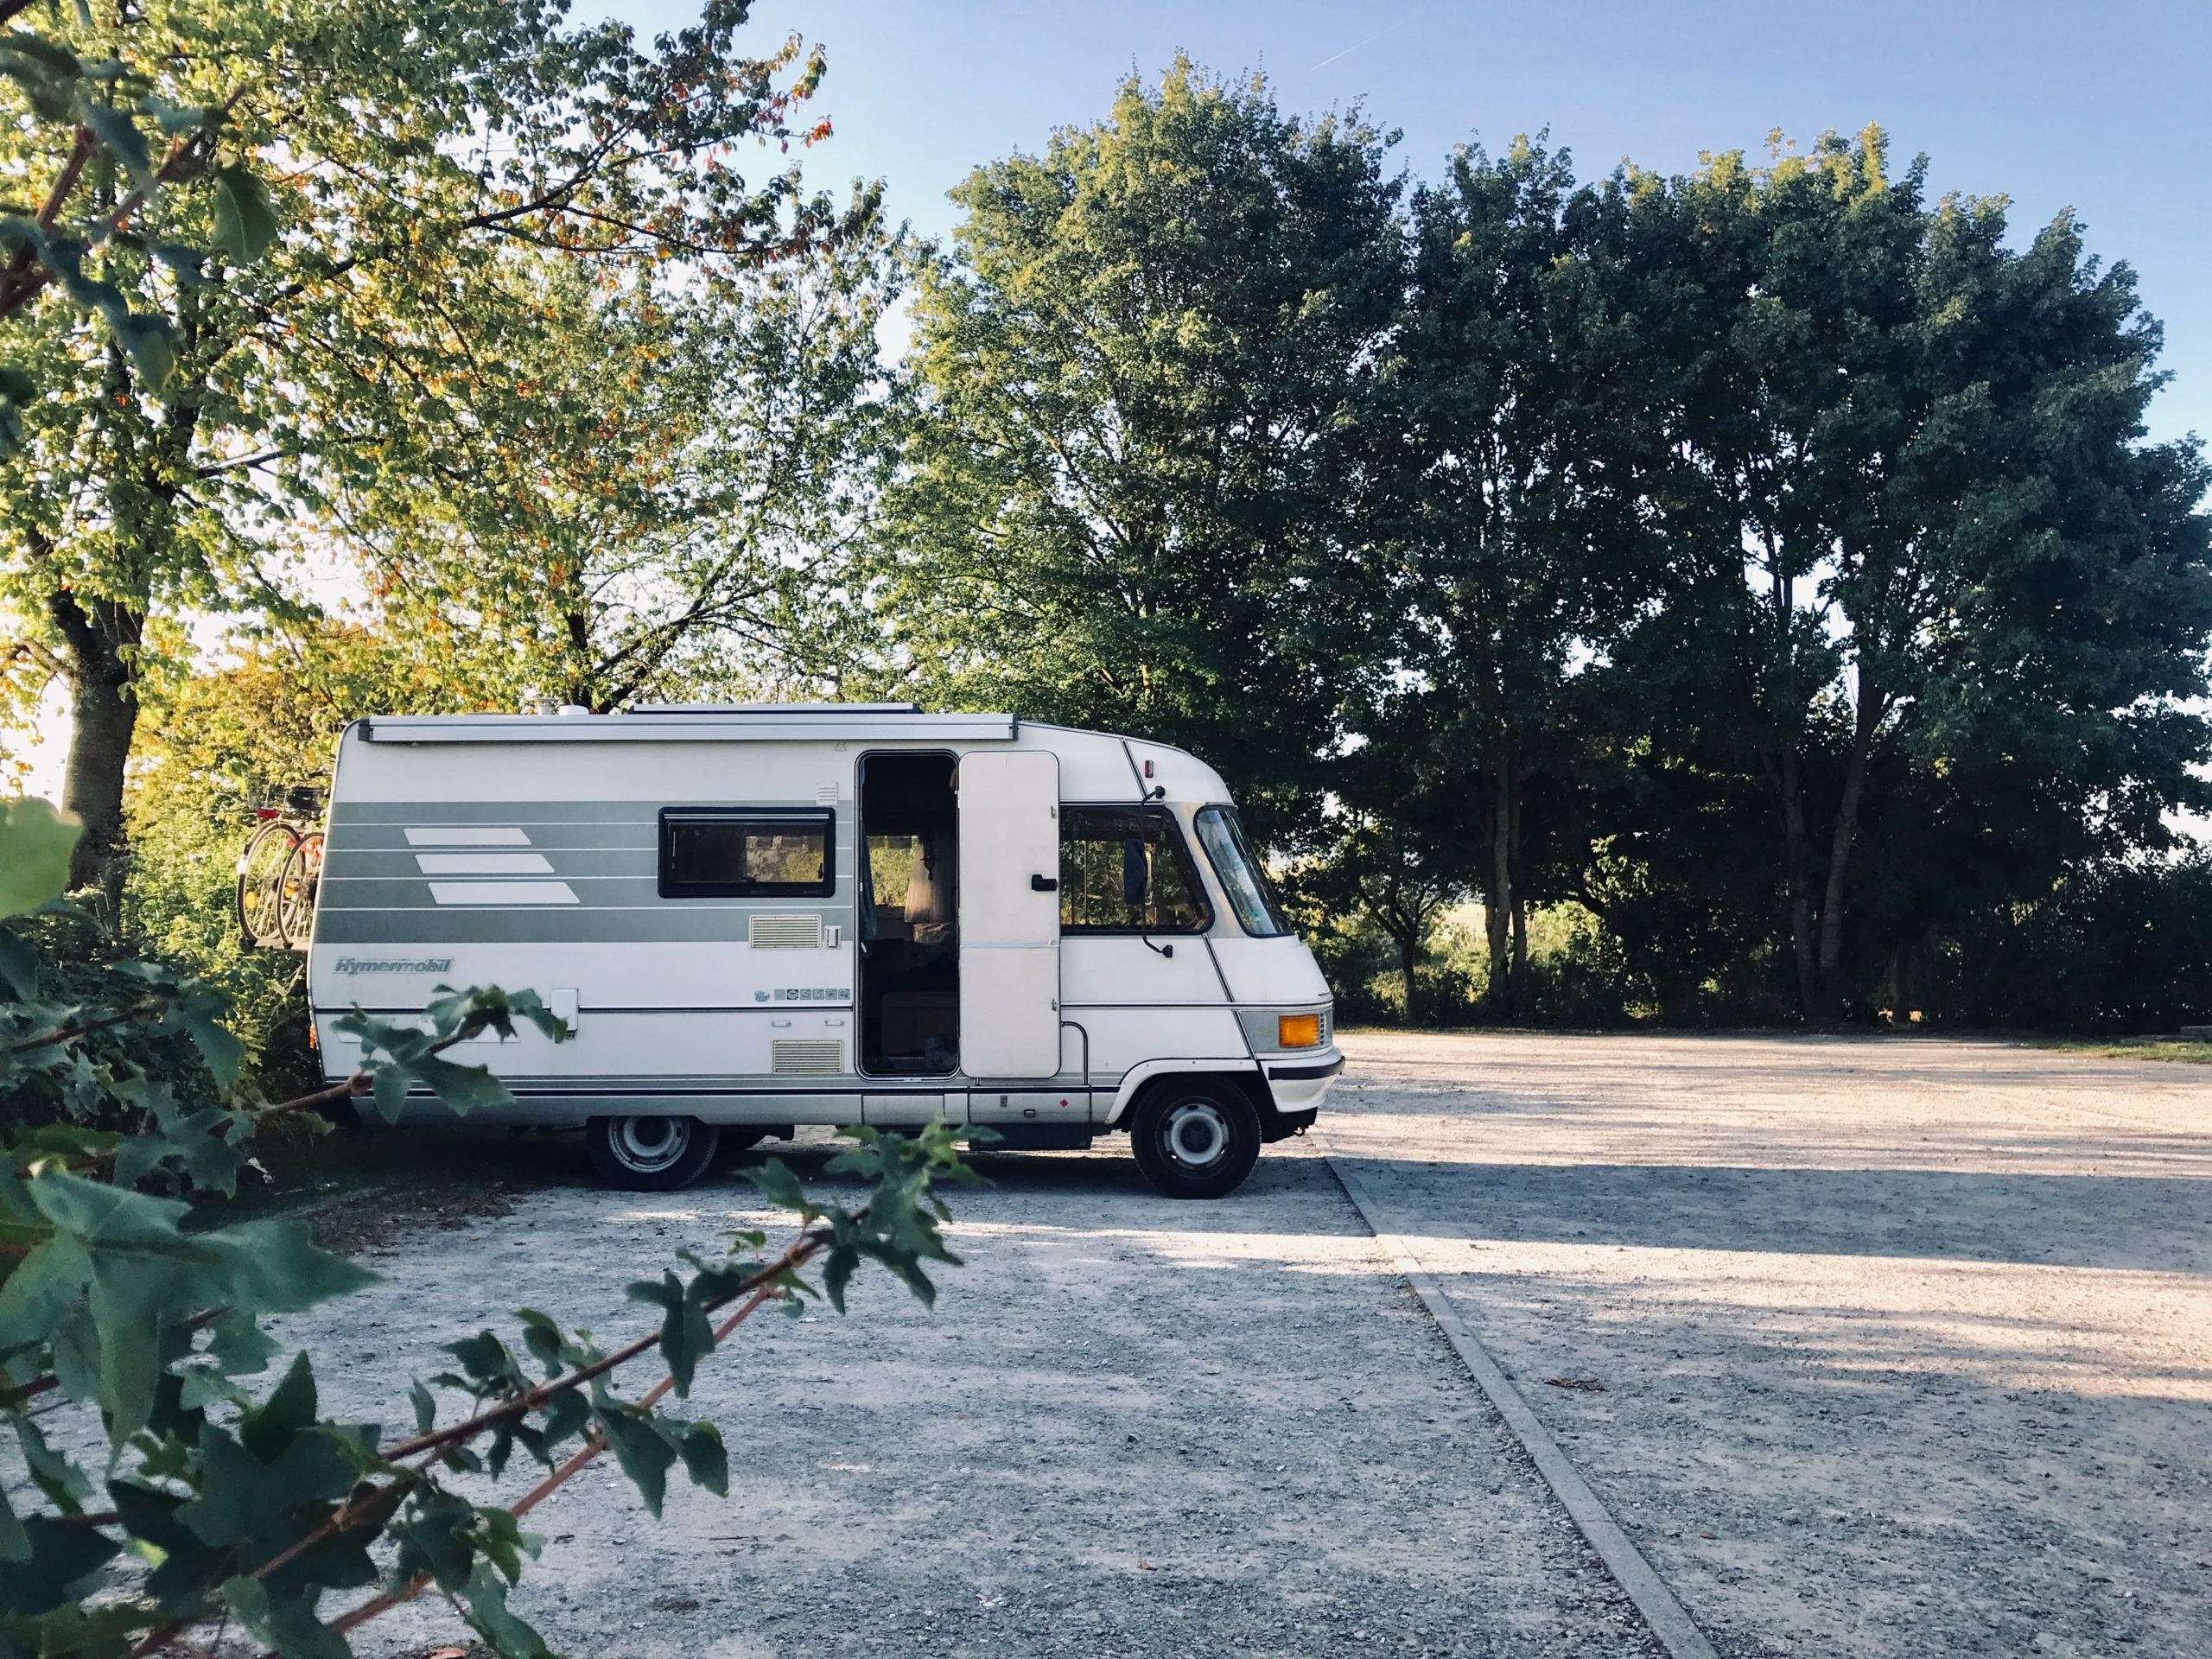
[261, 881]
[296, 906]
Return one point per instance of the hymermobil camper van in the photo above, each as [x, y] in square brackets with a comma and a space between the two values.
[753, 918]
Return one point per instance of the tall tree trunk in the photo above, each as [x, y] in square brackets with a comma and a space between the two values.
[1520, 947]
[1497, 912]
[1846, 827]
[96, 640]
[1793, 844]
[1900, 984]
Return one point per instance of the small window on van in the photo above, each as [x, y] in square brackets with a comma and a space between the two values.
[744, 852]
[1108, 852]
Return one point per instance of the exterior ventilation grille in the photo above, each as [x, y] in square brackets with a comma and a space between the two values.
[779, 930]
[806, 1057]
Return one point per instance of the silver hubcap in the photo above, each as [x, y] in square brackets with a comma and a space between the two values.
[649, 1145]
[1198, 1135]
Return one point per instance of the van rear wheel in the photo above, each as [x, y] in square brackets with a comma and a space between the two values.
[1196, 1140]
[650, 1154]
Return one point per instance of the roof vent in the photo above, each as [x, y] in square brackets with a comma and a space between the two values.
[778, 708]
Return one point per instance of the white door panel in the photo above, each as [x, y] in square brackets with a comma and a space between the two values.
[1122, 1038]
[1270, 970]
[1009, 914]
[1116, 968]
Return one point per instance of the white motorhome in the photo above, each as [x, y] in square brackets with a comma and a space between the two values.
[760, 916]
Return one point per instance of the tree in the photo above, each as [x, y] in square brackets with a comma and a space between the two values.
[1522, 539]
[403, 146]
[1962, 553]
[674, 516]
[1136, 487]
[1385, 869]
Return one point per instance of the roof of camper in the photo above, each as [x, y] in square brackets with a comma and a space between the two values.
[679, 722]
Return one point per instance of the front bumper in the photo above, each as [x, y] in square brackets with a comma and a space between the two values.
[1297, 1081]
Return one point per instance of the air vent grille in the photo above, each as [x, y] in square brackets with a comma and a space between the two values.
[806, 1057]
[780, 930]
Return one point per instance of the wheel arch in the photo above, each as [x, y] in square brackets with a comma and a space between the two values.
[1151, 1076]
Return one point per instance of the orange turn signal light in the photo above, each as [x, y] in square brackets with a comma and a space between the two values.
[1298, 1031]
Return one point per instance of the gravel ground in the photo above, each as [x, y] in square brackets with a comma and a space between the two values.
[1899, 1347]
[1131, 1427]
[1875, 1347]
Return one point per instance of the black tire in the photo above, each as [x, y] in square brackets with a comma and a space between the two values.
[650, 1154]
[296, 901]
[261, 883]
[1196, 1140]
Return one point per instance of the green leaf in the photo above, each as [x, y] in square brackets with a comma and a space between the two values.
[268, 1429]
[244, 225]
[639, 1446]
[147, 340]
[464, 1088]
[778, 1184]
[120, 133]
[286, 1625]
[15, 1542]
[426, 1408]
[142, 1276]
[387, 1088]
[58, 1561]
[485, 1601]
[175, 118]
[685, 1334]
[19, 965]
[35, 842]
[705, 1458]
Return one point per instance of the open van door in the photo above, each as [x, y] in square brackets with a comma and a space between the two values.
[1010, 914]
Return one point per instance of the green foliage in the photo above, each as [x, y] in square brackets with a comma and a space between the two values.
[256, 1507]
[334, 296]
[1766, 561]
[405, 1056]
[1135, 480]
[39, 840]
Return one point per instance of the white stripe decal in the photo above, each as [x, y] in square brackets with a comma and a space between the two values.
[502, 892]
[455, 834]
[483, 864]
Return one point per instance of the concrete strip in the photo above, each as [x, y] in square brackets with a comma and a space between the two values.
[1668, 1621]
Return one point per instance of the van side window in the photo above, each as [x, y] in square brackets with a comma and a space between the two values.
[1109, 854]
[746, 852]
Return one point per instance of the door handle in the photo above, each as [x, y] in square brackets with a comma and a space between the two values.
[1043, 884]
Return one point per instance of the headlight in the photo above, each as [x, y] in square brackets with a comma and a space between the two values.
[1298, 1031]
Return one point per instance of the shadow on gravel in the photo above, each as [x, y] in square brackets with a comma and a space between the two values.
[2133, 1224]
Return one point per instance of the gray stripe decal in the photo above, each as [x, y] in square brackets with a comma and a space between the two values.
[340, 864]
[529, 815]
[568, 924]
[362, 839]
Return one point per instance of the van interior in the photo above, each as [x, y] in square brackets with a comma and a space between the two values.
[909, 916]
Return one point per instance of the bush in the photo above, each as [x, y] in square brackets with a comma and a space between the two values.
[232, 1508]
[2114, 947]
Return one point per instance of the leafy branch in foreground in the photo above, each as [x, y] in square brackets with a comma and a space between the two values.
[216, 1505]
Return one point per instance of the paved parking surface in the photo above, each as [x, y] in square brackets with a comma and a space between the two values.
[1131, 1427]
[1885, 1347]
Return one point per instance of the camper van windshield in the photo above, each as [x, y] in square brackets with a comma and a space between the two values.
[1242, 875]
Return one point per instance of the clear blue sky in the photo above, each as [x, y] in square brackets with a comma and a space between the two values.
[2103, 108]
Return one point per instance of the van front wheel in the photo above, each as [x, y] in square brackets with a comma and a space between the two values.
[1196, 1140]
[650, 1154]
